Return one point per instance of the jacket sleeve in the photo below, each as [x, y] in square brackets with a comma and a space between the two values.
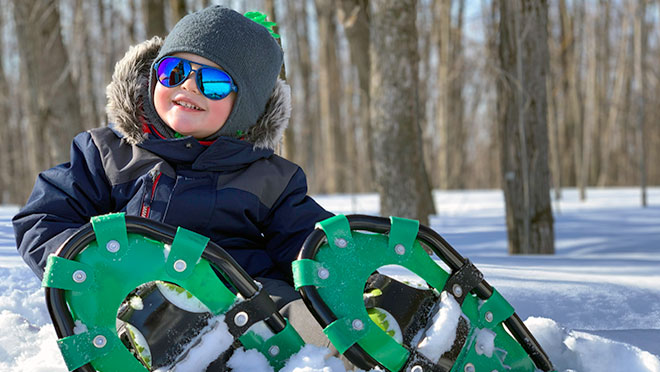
[291, 220]
[63, 199]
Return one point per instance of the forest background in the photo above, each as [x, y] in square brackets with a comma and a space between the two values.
[398, 97]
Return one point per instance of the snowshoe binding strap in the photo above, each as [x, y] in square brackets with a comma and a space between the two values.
[88, 279]
[337, 275]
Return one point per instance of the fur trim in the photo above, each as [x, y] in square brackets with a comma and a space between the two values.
[267, 133]
[130, 85]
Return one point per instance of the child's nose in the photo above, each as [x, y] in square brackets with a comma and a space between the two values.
[191, 83]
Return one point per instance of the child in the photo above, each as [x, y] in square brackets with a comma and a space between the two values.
[195, 119]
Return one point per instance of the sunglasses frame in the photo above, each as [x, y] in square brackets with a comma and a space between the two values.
[233, 87]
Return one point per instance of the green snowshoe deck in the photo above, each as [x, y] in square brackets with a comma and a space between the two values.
[93, 272]
[343, 253]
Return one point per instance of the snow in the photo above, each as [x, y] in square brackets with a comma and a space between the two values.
[485, 342]
[442, 333]
[593, 306]
[208, 345]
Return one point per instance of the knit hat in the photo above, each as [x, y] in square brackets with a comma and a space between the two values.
[244, 48]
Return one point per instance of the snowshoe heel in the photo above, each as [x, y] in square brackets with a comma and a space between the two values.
[126, 293]
[451, 320]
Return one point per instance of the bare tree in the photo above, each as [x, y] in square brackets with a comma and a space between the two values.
[553, 118]
[449, 106]
[5, 172]
[178, 10]
[398, 162]
[304, 113]
[570, 119]
[590, 107]
[523, 132]
[154, 17]
[639, 45]
[52, 97]
[488, 154]
[81, 47]
[354, 17]
[330, 89]
[612, 135]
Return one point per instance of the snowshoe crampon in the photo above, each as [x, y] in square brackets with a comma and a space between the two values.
[452, 321]
[125, 293]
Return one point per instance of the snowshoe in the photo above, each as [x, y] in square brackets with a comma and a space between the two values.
[127, 293]
[451, 320]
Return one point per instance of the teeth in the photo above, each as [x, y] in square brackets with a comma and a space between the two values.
[188, 105]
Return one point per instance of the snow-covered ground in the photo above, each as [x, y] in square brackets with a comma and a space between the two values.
[594, 305]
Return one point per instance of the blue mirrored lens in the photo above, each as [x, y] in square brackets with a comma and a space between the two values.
[173, 71]
[214, 83]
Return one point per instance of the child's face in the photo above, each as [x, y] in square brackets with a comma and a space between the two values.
[200, 122]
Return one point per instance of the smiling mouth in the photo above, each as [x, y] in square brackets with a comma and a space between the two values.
[187, 105]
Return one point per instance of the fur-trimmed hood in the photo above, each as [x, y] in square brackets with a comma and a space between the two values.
[130, 85]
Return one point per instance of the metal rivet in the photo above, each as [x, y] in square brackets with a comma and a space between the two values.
[469, 367]
[189, 145]
[79, 276]
[100, 341]
[341, 243]
[112, 246]
[400, 249]
[323, 273]
[241, 318]
[358, 325]
[458, 291]
[416, 369]
[274, 350]
[180, 265]
[488, 316]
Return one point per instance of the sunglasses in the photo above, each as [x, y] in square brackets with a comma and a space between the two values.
[212, 82]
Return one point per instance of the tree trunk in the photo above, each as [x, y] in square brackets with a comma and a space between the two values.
[87, 92]
[590, 106]
[449, 104]
[329, 90]
[5, 154]
[178, 10]
[458, 131]
[153, 12]
[554, 138]
[442, 37]
[570, 130]
[52, 97]
[355, 21]
[640, 43]
[399, 166]
[491, 161]
[523, 132]
[306, 99]
[613, 135]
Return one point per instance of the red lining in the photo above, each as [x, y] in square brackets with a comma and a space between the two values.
[145, 213]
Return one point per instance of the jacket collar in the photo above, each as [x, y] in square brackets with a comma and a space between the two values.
[130, 84]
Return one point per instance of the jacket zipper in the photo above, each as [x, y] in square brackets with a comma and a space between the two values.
[146, 205]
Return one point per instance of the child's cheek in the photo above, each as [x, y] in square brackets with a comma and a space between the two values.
[161, 100]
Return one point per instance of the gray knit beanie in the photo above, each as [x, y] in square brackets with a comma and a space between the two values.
[244, 48]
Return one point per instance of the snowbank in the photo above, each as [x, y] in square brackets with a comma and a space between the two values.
[594, 306]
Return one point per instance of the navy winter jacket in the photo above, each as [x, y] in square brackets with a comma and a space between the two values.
[238, 193]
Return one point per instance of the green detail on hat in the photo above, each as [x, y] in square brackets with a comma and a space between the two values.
[178, 135]
[260, 18]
